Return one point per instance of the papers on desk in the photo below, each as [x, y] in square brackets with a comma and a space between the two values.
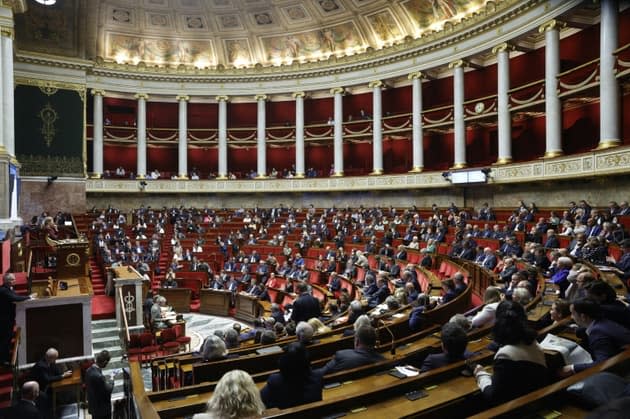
[408, 370]
[398, 315]
[169, 315]
[571, 351]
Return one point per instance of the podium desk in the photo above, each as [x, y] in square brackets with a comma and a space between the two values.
[215, 302]
[69, 317]
[69, 383]
[72, 257]
[247, 307]
[178, 298]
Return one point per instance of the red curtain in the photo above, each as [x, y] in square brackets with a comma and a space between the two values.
[317, 111]
[119, 155]
[203, 115]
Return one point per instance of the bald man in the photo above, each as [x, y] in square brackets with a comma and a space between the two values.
[46, 370]
[26, 407]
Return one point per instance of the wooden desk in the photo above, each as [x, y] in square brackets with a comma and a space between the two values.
[178, 298]
[215, 302]
[247, 308]
[72, 382]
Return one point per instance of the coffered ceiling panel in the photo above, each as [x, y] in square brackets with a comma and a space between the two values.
[185, 34]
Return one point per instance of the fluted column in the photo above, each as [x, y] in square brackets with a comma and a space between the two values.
[553, 106]
[416, 121]
[299, 134]
[377, 128]
[8, 109]
[182, 154]
[459, 137]
[609, 123]
[338, 130]
[261, 130]
[141, 169]
[222, 137]
[503, 106]
[97, 134]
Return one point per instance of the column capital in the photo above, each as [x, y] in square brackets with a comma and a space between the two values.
[375, 83]
[551, 25]
[98, 92]
[505, 46]
[300, 95]
[416, 75]
[260, 97]
[222, 98]
[7, 31]
[185, 98]
[337, 90]
[457, 64]
[144, 96]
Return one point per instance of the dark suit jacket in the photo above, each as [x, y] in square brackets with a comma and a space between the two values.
[305, 307]
[7, 308]
[351, 358]
[605, 339]
[434, 361]
[45, 374]
[282, 393]
[99, 392]
[552, 242]
[25, 410]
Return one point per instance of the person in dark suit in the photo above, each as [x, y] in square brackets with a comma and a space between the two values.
[381, 293]
[99, 388]
[362, 354]
[46, 370]
[26, 407]
[448, 286]
[7, 315]
[335, 283]
[296, 383]
[552, 241]
[305, 306]
[606, 338]
[454, 341]
[490, 260]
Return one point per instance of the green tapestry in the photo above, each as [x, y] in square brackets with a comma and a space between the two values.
[49, 128]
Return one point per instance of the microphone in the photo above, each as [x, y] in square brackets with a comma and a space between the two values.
[393, 344]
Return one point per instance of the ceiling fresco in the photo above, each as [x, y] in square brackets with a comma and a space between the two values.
[232, 33]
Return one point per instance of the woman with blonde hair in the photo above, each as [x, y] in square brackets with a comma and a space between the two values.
[318, 326]
[486, 316]
[235, 396]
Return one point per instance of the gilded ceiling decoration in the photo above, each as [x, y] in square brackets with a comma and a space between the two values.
[189, 34]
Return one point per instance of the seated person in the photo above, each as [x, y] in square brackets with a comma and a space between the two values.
[362, 320]
[486, 316]
[213, 349]
[304, 333]
[605, 338]
[170, 281]
[519, 365]
[46, 371]
[362, 354]
[454, 341]
[158, 313]
[296, 383]
[235, 396]
[26, 407]
[448, 286]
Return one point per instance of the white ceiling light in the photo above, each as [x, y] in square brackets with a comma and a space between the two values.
[46, 2]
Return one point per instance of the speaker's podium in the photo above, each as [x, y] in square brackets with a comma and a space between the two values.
[72, 257]
[130, 291]
[247, 307]
[63, 321]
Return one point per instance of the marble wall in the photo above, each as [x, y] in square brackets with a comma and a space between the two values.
[64, 194]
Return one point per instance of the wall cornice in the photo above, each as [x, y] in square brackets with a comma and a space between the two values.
[614, 161]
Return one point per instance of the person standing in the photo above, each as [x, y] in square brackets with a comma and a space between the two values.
[99, 388]
[305, 306]
[7, 315]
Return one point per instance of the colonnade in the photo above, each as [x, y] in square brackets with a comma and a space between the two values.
[609, 111]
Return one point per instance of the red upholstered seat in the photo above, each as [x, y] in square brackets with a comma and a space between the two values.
[148, 347]
[169, 343]
[180, 338]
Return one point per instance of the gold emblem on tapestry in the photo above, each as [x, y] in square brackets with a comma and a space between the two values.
[48, 116]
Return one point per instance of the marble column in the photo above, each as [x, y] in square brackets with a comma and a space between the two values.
[261, 130]
[97, 134]
[299, 134]
[609, 123]
[459, 136]
[377, 128]
[8, 123]
[553, 106]
[416, 121]
[182, 149]
[504, 118]
[222, 137]
[141, 169]
[338, 130]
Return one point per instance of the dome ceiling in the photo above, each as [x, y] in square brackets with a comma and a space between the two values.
[232, 33]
